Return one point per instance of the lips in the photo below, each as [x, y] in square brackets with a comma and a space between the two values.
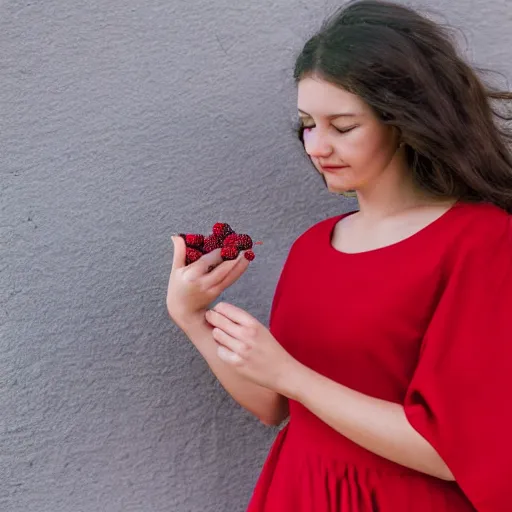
[333, 167]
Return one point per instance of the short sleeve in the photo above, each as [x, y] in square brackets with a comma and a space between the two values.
[459, 398]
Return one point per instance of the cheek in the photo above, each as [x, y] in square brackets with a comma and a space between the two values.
[365, 148]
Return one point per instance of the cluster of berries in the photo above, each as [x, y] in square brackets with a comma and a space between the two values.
[223, 237]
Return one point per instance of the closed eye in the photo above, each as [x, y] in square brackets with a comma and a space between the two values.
[339, 130]
[344, 130]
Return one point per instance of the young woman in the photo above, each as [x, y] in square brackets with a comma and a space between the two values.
[390, 340]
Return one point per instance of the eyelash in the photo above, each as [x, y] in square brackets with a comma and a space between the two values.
[301, 127]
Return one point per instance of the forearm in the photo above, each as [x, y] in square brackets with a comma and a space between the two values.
[270, 407]
[377, 425]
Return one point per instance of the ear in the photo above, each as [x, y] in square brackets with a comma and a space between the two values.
[397, 137]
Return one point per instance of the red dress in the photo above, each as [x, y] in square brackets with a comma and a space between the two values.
[425, 322]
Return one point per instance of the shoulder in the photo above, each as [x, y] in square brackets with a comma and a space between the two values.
[480, 229]
[482, 212]
[480, 222]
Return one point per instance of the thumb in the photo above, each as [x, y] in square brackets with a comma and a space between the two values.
[179, 256]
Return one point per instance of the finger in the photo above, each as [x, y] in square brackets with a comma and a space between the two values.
[227, 356]
[199, 269]
[226, 274]
[179, 256]
[222, 322]
[234, 313]
[238, 269]
[228, 341]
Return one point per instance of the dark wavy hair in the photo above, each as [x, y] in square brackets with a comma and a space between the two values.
[456, 132]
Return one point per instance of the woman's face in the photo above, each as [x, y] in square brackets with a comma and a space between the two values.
[342, 130]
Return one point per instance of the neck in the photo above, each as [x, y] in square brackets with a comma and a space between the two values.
[394, 193]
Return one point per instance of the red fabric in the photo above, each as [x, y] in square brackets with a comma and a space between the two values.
[425, 322]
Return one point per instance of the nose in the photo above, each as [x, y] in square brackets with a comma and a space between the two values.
[316, 144]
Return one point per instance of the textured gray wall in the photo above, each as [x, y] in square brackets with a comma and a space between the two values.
[121, 122]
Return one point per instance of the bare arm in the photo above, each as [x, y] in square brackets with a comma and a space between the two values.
[377, 425]
[374, 424]
[270, 407]
[192, 287]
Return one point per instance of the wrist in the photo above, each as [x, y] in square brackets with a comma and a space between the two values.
[294, 380]
[189, 323]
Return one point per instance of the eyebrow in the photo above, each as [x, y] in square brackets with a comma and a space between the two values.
[332, 116]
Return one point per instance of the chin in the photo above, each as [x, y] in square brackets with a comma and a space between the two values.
[340, 188]
[338, 185]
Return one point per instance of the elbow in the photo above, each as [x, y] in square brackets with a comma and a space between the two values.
[276, 414]
[276, 419]
[272, 421]
[446, 474]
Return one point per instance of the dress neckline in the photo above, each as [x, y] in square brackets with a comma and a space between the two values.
[416, 237]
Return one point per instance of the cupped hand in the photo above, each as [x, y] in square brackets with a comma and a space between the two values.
[192, 288]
